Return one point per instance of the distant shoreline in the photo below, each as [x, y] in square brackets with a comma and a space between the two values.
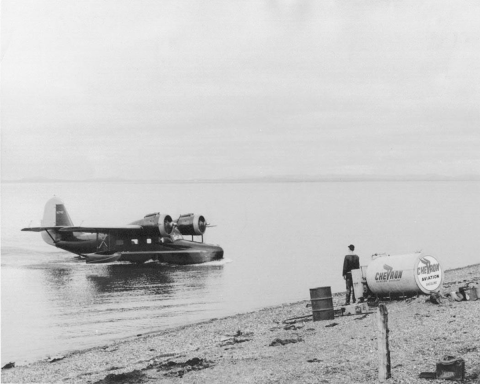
[266, 180]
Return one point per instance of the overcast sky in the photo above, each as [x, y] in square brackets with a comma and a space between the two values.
[212, 89]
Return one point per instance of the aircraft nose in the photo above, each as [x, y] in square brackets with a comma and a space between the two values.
[219, 253]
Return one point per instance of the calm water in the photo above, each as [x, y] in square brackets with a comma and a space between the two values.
[279, 241]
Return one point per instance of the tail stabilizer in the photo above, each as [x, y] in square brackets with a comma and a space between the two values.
[55, 216]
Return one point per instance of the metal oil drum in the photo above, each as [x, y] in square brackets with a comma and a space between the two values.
[404, 274]
[322, 303]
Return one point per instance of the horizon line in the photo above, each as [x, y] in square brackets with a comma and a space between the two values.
[260, 179]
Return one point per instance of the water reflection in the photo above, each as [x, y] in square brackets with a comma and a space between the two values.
[150, 278]
[79, 306]
[58, 277]
[77, 280]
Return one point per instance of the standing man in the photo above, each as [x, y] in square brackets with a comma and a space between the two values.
[351, 261]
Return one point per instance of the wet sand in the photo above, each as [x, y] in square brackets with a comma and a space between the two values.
[258, 347]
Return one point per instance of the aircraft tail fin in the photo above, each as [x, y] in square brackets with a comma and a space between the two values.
[54, 215]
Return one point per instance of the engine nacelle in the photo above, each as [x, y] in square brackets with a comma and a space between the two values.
[191, 224]
[163, 222]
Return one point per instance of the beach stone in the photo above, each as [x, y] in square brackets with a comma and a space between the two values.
[124, 378]
[279, 341]
[9, 365]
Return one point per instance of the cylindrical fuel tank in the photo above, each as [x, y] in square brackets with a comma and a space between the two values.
[404, 274]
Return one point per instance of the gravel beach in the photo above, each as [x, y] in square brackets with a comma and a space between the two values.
[258, 347]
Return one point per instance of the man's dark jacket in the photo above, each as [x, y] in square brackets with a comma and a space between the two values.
[350, 262]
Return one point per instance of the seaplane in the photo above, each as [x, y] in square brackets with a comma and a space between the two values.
[155, 237]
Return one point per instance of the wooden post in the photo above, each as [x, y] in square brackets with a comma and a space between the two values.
[383, 349]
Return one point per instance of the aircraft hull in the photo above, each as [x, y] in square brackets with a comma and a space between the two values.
[185, 257]
[180, 252]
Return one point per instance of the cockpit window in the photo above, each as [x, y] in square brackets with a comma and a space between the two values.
[176, 235]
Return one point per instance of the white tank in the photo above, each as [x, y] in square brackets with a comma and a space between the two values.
[404, 274]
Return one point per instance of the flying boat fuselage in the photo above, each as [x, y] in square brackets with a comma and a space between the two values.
[155, 237]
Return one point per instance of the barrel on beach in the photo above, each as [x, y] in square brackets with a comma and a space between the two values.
[322, 303]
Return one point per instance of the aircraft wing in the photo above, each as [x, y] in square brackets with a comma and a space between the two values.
[130, 229]
[40, 229]
[125, 229]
